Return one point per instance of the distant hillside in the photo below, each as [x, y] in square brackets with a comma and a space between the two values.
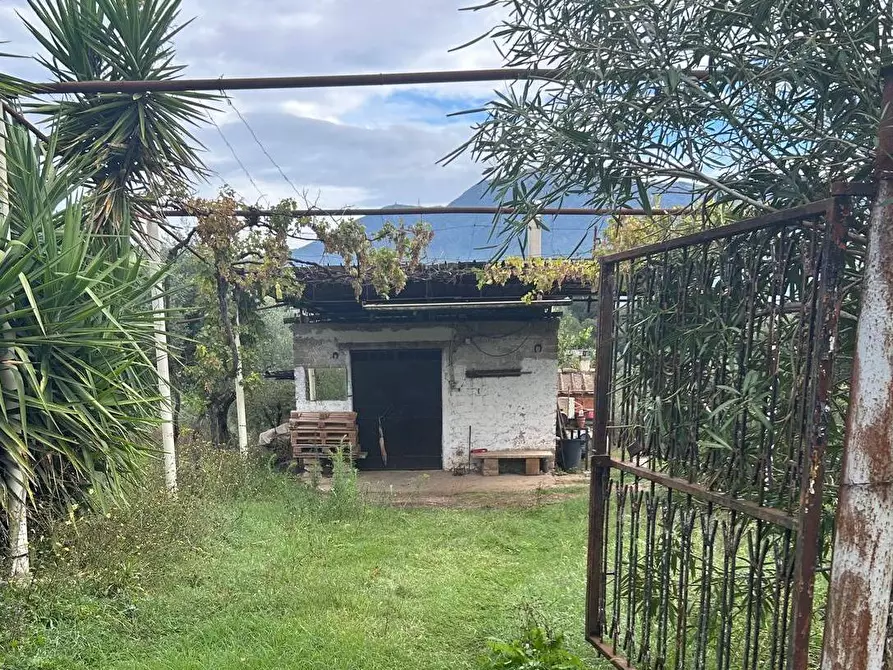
[467, 237]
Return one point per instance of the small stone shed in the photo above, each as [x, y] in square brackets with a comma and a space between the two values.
[442, 369]
[577, 386]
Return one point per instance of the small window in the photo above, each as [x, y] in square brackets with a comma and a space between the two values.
[327, 384]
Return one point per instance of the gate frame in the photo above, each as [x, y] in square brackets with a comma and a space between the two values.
[837, 214]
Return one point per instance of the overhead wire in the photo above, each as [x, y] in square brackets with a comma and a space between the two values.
[266, 152]
[232, 150]
[261, 145]
[472, 239]
[301, 194]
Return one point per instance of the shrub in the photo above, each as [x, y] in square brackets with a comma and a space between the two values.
[538, 648]
[79, 392]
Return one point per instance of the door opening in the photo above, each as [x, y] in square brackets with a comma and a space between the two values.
[397, 396]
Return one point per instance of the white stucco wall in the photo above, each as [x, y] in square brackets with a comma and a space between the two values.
[303, 403]
[491, 412]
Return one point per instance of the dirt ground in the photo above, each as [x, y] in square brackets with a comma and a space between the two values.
[437, 488]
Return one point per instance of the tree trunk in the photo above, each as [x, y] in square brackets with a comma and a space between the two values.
[16, 484]
[235, 346]
[20, 569]
[218, 413]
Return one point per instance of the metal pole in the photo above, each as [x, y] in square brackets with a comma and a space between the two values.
[534, 238]
[310, 81]
[595, 580]
[826, 315]
[315, 81]
[19, 118]
[162, 364]
[862, 572]
[402, 211]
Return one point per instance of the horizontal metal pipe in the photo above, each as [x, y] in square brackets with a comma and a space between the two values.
[780, 218]
[483, 304]
[306, 81]
[856, 188]
[402, 211]
[309, 81]
[610, 653]
[770, 514]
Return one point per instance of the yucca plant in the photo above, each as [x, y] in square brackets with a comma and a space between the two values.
[77, 322]
[78, 388]
[140, 144]
[140, 147]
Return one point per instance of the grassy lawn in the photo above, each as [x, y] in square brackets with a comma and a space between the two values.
[279, 581]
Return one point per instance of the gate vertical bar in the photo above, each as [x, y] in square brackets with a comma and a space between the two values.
[826, 317]
[862, 569]
[595, 587]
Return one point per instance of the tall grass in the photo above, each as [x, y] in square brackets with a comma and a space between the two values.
[249, 567]
[104, 554]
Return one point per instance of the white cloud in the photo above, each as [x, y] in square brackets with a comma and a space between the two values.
[354, 146]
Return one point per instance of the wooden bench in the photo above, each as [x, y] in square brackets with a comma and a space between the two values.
[533, 460]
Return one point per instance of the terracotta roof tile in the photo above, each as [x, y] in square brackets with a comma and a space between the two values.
[574, 382]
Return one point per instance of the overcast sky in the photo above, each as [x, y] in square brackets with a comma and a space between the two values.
[343, 147]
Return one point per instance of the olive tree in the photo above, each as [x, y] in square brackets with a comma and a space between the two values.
[752, 102]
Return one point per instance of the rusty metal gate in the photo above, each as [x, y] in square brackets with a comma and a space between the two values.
[717, 442]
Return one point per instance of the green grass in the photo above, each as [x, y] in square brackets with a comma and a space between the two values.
[280, 581]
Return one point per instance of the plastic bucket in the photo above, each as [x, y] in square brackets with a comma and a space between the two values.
[570, 453]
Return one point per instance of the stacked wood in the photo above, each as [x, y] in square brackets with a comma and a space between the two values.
[319, 435]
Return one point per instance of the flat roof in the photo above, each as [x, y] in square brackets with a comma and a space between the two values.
[449, 291]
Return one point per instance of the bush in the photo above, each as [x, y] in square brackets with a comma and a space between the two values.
[131, 540]
[79, 404]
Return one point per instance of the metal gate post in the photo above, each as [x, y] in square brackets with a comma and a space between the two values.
[595, 580]
[827, 315]
[862, 570]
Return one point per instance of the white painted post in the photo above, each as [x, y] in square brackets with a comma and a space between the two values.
[534, 238]
[162, 364]
[862, 570]
[241, 418]
[311, 384]
[20, 568]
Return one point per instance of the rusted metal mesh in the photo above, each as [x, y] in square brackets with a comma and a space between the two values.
[724, 402]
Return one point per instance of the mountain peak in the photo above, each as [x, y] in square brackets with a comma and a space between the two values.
[477, 237]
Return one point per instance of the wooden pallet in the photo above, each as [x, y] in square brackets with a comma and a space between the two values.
[326, 437]
[323, 453]
[319, 435]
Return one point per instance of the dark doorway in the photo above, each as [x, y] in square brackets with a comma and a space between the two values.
[402, 389]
